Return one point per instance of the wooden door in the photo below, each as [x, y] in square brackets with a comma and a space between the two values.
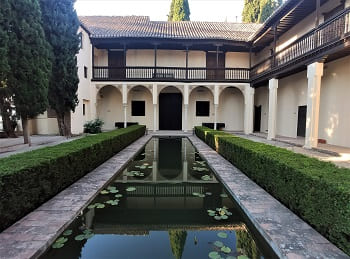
[301, 121]
[116, 64]
[170, 111]
[257, 119]
[212, 72]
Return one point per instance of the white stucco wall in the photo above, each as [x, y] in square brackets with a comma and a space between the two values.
[237, 59]
[85, 91]
[165, 58]
[334, 124]
[140, 93]
[231, 109]
[43, 125]
[199, 94]
[262, 99]
[291, 93]
[109, 106]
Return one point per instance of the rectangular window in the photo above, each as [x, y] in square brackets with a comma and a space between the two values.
[85, 72]
[84, 109]
[80, 35]
[138, 108]
[202, 108]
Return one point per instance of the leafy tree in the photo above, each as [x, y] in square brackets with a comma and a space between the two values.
[251, 11]
[259, 10]
[177, 242]
[179, 11]
[29, 61]
[267, 7]
[60, 22]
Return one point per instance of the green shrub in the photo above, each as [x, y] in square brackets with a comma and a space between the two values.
[29, 179]
[94, 126]
[317, 191]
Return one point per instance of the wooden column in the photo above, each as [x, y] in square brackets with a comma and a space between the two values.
[217, 56]
[93, 61]
[274, 44]
[155, 61]
[186, 62]
[318, 13]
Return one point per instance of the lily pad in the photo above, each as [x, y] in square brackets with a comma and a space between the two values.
[195, 193]
[226, 249]
[201, 195]
[223, 195]
[217, 217]
[111, 188]
[214, 255]
[68, 232]
[210, 211]
[224, 217]
[100, 206]
[79, 237]
[222, 235]
[218, 244]
[88, 236]
[211, 214]
[57, 245]
[206, 178]
[150, 167]
[113, 191]
[62, 240]
[231, 257]
[208, 193]
[130, 189]
[92, 206]
[104, 192]
[242, 257]
[118, 195]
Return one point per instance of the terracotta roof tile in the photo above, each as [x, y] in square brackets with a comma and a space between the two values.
[143, 27]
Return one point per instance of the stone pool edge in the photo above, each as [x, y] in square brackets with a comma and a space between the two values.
[287, 234]
[33, 234]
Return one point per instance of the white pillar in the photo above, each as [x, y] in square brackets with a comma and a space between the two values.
[155, 101]
[186, 98]
[273, 86]
[314, 75]
[216, 105]
[248, 109]
[125, 102]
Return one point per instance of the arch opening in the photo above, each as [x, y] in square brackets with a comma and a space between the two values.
[170, 108]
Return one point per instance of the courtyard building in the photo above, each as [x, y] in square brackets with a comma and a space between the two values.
[287, 77]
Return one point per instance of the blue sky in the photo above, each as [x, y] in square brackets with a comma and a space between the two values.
[201, 10]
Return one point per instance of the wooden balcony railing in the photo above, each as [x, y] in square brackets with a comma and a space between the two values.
[170, 74]
[319, 40]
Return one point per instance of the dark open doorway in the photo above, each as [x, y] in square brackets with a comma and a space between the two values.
[170, 111]
[116, 63]
[301, 121]
[214, 63]
[257, 119]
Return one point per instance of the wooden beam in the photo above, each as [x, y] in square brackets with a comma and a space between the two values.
[318, 13]
[186, 62]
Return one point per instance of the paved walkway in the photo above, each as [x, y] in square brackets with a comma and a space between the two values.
[286, 233]
[335, 154]
[33, 234]
[11, 146]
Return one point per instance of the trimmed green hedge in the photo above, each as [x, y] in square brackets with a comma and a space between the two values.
[317, 191]
[29, 179]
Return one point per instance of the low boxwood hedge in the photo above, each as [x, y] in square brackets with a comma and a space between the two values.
[29, 179]
[317, 191]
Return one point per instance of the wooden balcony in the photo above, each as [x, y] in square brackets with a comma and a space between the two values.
[311, 47]
[170, 74]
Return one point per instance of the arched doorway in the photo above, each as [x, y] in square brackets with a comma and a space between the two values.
[109, 106]
[231, 109]
[170, 109]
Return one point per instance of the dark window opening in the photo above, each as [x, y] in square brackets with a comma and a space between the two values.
[51, 113]
[84, 109]
[138, 108]
[80, 40]
[202, 108]
[85, 72]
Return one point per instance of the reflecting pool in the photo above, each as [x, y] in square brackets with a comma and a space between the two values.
[167, 203]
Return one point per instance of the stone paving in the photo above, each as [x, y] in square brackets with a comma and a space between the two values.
[287, 234]
[33, 234]
[11, 146]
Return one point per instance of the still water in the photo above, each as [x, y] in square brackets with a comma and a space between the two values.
[167, 203]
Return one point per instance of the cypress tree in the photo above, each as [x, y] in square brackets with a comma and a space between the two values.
[60, 22]
[5, 95]
[29, 61]
[267, 7]
[180, 11]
